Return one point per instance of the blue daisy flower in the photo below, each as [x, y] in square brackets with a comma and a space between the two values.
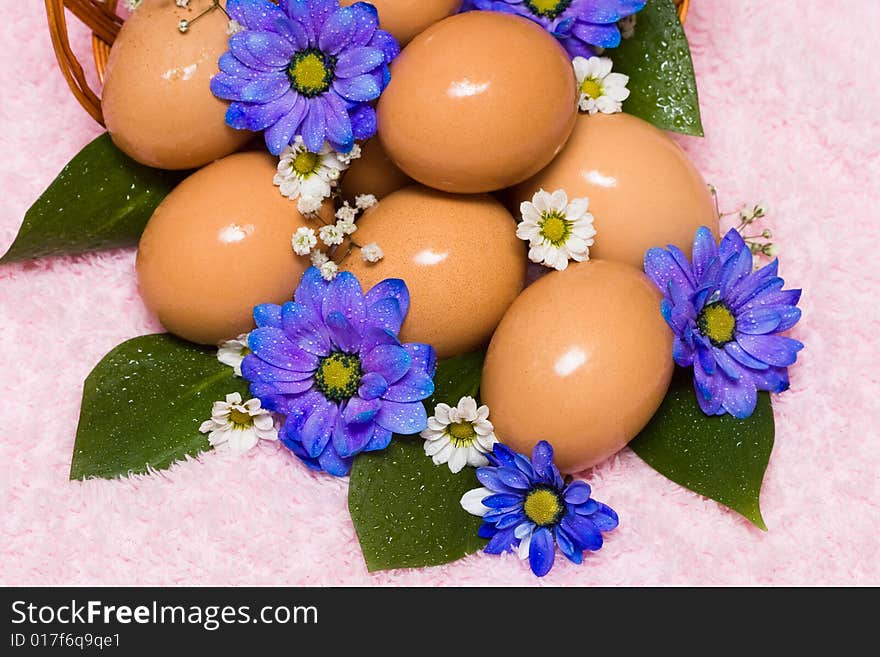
[579, 25]
[726, 319]
[307, 68]
[526, 506]
[331, 362]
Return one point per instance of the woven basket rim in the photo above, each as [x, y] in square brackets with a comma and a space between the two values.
[102, 17]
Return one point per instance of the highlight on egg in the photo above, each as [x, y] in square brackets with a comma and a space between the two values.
[157, 102]
[582, 359]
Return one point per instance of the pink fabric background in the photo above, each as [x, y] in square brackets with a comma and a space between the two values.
[790, 106]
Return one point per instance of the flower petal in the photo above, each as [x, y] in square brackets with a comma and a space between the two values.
[254, 14]
[271, 344]
[373, 385]
[337, 31]
[391, 361]
[583, 531]
[771, 349]
[318, 427]
[343, 333]
[405, 419]
[542, 551]
[578, 492]
[362, 88]
[345, 296]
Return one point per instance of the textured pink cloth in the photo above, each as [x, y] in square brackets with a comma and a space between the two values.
[790, 107]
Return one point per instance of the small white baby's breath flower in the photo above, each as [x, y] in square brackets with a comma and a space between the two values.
[237, 426]
[233, 27]
[600, 89]
[318, 258]
[627, 26]
[365, 201]
[331, 235]
[346, 213]
[459, 435]
[131, 5]
[329, 270]
[304, 240]
[233, 352]
[372, 252]
[347, 227]
[557, 231]
[351, 156]
[182, 3]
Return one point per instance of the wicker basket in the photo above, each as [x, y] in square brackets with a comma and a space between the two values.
[101, 17]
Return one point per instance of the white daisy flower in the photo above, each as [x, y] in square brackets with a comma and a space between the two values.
[329, 270]
[600, 89]
[372, 252]
[237, 427]
[304, 240]
[331, 235]
[460, 435]
[365, 201]
[319, 258]
[303, 174]
[232, 352]
[556, 229]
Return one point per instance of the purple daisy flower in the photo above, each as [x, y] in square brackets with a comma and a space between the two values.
[580, 25]
[726, 319]
[331, 362]
[526, 506]
[305, 67]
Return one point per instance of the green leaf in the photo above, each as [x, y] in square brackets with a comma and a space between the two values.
[102, 199]
[657, 60]
[717, 456]
[143, 403]
[405, 509]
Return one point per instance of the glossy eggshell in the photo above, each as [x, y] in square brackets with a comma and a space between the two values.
[219, 245]
[459, 256]
[643, 189]
[373, 173]
[157, 102]
[478, 102]
[582, 359]
[406, 18]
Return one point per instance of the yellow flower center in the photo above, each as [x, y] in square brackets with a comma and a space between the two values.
[717, 323]
[338, 376]
[306, 163]
[547, 8]
[543, 507]
[555, 228]
[591, 88]
[461, 434]
[310, 72]
[240, 419]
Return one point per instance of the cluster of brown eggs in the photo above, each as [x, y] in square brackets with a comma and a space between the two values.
[481, 113]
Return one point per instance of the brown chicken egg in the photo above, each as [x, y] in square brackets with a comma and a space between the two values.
[478, 102]
[643, 189]
[219, 245]
[373, 173]
[406, 18]
[459, 256]
[582, 359]
[157, 102]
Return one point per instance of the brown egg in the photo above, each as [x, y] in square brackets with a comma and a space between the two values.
[406, 18]
[643, 189]
[157, 102]
[219, 245]
[459, 256]
[478, 102]
[582, 359]
[373, 173]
